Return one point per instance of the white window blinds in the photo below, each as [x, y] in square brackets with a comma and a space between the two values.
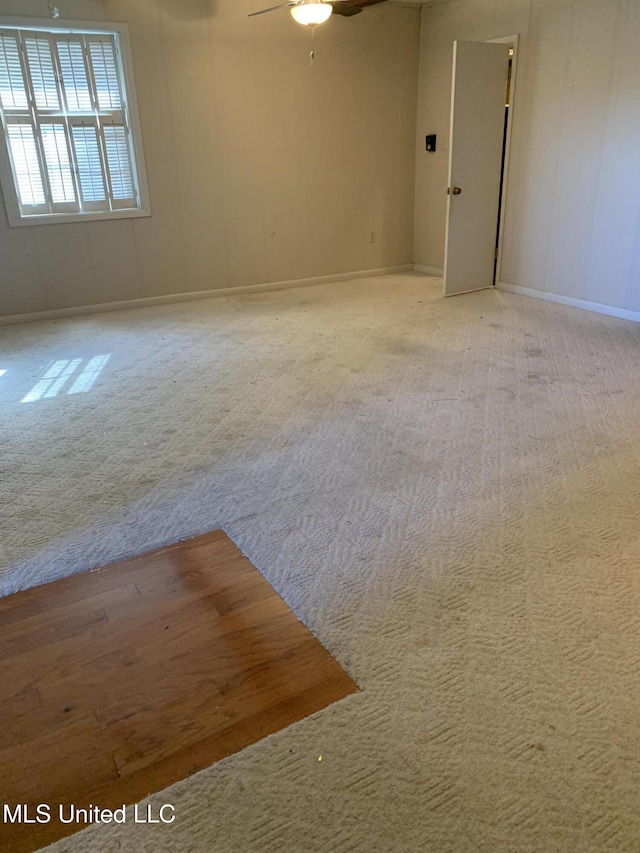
[63, 105]
[22, 145]
[90, 171]
[43, 78]
[12, 88]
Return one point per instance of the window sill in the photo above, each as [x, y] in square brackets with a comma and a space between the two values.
[64, 218]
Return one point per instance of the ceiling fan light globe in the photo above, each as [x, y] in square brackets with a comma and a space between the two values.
[311, 13]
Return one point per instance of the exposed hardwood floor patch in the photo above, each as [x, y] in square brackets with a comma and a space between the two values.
[118, 682]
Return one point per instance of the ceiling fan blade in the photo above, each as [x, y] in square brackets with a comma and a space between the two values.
[272, 8]
[341, 7]
[352, 7]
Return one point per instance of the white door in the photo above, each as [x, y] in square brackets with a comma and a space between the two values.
[477, 125]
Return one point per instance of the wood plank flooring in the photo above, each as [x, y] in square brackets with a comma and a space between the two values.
[119, 682]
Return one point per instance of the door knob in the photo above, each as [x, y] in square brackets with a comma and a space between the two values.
[453, 190]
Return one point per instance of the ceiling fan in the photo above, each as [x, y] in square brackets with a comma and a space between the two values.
[311, 12]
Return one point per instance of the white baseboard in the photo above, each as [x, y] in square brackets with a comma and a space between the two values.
[428, 270]
[598, 307]
[102, 307]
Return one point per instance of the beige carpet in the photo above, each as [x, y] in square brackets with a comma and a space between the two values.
[447, 492]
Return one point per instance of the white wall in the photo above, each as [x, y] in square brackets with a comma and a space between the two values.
[573, 208]
[261, 167]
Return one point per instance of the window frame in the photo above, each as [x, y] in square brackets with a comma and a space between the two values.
[7, 184]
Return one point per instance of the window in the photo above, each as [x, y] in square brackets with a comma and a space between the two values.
[72, 142]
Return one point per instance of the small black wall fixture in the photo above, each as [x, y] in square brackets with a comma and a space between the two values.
[430, 142]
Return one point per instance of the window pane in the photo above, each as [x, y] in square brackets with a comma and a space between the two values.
[85, 142]
[56, 156]
[25, 162]
[105, 74]
[117, 145]
[74, 76]
[42, 74]
[12, 89]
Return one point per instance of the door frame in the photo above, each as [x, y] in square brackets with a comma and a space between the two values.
[512, 40]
